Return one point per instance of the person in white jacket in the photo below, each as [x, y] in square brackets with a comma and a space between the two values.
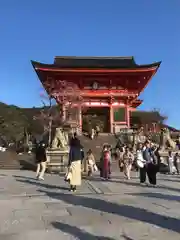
[139, 153]
[172, 168]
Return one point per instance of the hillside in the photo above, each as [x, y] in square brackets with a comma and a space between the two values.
[14, 121]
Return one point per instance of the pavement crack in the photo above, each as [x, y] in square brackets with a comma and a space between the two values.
[159, 205]
[69, 211]
[94, 188]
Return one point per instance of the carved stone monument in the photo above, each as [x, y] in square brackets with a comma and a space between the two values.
[58, 154]
[166, 143]
[132, 138]
[61, 140]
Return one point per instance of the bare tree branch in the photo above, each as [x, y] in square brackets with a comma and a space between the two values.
[67, 96]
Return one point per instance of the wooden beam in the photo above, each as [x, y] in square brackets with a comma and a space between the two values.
[82, 70]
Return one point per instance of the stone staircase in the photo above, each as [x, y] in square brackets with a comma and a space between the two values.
[96, 144]
[9, 160]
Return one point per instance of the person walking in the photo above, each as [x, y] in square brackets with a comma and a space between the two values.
[105, 170]
[75, 157]
[150, 168]
[177, 163]
[90, 162]
[171, 163]
[97, 130]
[128, 159]
[40, 154]
[92, 133]
[119, 156]
[139, 162]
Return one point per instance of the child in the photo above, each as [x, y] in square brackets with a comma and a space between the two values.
[41, 160]
[171, 163]
[90, 162]
[128, 161]
[177, 163]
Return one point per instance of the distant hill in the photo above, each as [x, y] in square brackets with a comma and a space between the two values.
[14, 121]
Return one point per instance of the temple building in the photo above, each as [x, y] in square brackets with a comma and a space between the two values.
[151, 121]
[109, 86]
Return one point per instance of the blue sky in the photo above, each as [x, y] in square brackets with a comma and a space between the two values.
[42, 29]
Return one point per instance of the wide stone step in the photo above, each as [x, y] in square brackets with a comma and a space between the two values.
[9, 161]
[96, 144]
[10, 167]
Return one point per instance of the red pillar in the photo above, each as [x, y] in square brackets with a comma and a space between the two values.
[63, 112]
[111, 119]
[128, 116]
[80, 119]
[154, 127]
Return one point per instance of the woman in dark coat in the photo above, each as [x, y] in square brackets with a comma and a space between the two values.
[177, 163]
[75, 157]
[150, 165]
[40, 153]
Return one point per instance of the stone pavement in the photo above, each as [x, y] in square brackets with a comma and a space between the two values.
[117, 209]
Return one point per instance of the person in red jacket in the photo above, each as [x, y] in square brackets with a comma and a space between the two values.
[106, 161]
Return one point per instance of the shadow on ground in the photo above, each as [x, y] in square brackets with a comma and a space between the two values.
[157, 195]
[124, 210]
[37, 183]
[131, 212]
[174, 180]
[76, 232]
[26, 165]
[130, 183]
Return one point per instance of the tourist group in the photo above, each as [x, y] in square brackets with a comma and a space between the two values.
[144, 159]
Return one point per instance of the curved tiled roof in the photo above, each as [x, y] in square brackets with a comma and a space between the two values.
[94, 62]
